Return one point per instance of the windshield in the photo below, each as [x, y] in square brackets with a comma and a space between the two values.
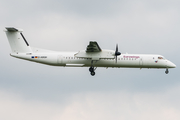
[160, 57]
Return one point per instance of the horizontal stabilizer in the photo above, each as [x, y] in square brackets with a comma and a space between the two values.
[11, 29]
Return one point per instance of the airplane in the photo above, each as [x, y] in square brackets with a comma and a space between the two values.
[92, 57]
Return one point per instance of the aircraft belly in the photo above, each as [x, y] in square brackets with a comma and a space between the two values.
[105, 63]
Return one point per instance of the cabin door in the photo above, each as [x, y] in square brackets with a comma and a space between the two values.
[60, 59]
[141, 62]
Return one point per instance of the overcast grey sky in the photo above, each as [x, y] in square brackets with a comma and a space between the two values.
[33, 91]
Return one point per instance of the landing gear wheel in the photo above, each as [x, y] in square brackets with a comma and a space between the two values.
[92, 73]
[167, 71]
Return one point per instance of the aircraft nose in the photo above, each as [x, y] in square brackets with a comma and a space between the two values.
[171, 65]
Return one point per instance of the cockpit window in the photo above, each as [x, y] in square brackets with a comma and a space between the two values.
[160, 58]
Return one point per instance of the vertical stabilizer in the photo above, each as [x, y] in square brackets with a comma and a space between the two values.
[17, 41]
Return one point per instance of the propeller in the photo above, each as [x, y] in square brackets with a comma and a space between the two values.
[116, 52]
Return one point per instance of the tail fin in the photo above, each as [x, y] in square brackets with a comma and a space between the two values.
[17, 41]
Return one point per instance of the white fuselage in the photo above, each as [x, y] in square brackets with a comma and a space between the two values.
[68, 59]
[92, 57]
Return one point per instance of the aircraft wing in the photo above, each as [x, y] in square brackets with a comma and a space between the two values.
[94, 52]
[93, 47]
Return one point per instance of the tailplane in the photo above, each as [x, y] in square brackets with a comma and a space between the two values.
[17, 41]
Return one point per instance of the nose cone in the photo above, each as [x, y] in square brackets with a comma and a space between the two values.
[171, 65]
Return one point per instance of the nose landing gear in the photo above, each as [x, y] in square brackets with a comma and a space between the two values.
[167, 71]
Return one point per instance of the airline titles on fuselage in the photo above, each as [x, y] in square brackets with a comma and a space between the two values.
[136, 57]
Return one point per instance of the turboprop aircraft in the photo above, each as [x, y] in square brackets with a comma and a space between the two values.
[92, 57]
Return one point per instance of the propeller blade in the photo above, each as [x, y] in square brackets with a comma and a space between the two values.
[116, 47]
[116, 52]
[116, 59]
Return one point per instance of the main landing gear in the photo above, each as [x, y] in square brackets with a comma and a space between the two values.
[167, 71]
[92, 69]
